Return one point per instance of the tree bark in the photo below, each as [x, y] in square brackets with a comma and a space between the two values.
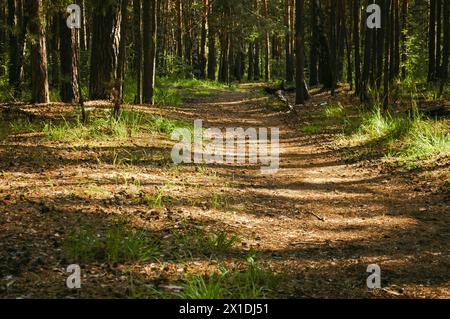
[150, 24]
[432, 42]
[39, 68]
[204, 33]
[314, 52]
[105, 49]
[357, 43]
[137, 32]
[69, 90]
[300, 53]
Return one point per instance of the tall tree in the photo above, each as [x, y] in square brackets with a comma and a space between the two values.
[432, 42]
[39, 69]
[69, 62]
[300, 53]
[105, 48]
[267, 74]
[446, 45]
[203, 39]
[17, 24]
[120, 73]
[150, 32]
[356, 44]
[404, 56]
[212, 58]
[314, 52]
[137, 41]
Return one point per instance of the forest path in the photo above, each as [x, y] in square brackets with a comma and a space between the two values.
[319, 221]
[325, 219]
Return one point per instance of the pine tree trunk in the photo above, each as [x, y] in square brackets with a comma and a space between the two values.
[251, 62]
[179, 33]
[69, 90]
[438, 37]
[432, 42]
[446, 44]
[105, 49]
[39, 69]
[387, 52]
[314, 52]
[404, 36]
[212, 56]
[204, 34]
[300, 53]
[369, 35]
[357, 43]
[137, 32]
[17, 25]
[121, 63]
[150, 24]
[267, 74]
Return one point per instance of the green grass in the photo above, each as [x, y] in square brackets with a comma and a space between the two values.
[198, 241]
[313, 128]
[158, 199]
[174, 91]
[254, 282]
[115, 244]
[220, 202]
[22, 125]
[334, 110]
[128, 125]
[407, 137]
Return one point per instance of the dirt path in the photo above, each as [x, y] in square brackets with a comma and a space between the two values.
[327, 220]
[319, 221]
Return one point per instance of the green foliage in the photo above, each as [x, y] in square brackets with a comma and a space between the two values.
[208, 244]
[334, 110]
[405, 136]
[312, 128]
[129, 124]
[254, 282]
[115, 244]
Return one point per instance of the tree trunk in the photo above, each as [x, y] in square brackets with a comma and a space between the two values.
[150, 23]
[357, 43]
[266, 45]
[438, 37]
[300, 53]
[204, 33]
[105, 49]
[387, 49]
[446, 46]
[179, 35]
[404, 36]
[369, 35]
[122, 48]
[314, 52]
[432, 42]
[17, 25]
[251, 62]
[69, 90]
[39, 69]
[212, 56]
[137, 32]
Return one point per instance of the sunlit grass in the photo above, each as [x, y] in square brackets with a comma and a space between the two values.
[128, 125]
[254, 282]
[404, 136]
[334, 110]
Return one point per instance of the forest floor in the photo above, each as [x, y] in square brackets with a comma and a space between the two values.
[313, 227]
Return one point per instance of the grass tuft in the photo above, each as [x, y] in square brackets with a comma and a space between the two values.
[115, 244]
